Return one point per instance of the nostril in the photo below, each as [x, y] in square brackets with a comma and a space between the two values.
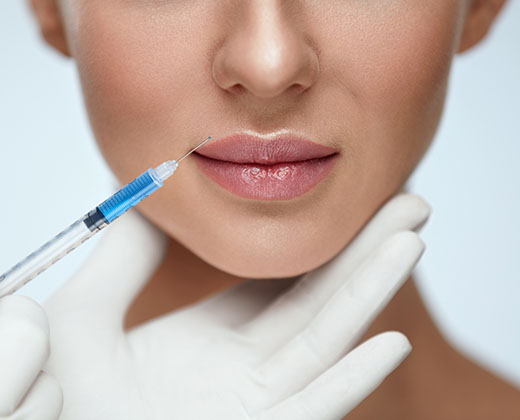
[298, 88]
[237, 89]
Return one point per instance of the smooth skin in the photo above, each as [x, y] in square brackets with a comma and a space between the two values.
[367, 78]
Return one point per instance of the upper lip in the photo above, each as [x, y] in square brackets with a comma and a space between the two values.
[249, 148]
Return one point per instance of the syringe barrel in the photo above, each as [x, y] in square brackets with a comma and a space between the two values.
[131, 194]
[67, 240]
[45, 256]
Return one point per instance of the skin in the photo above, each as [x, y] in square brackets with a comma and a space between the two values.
[265, 66]
[369, 79]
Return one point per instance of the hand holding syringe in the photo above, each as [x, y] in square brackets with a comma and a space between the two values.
[84, 228]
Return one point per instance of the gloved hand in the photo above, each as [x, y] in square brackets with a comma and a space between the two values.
[253, 352]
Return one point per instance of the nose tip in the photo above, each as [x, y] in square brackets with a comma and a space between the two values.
[266, 72]
[266, 59]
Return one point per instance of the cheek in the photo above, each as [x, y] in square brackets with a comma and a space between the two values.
[396, 72]
[137, 76]
[407, 75]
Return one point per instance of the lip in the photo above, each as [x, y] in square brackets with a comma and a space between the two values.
[281, 168]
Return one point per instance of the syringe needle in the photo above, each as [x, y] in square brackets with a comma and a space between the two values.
[195, 148]
[166, 169]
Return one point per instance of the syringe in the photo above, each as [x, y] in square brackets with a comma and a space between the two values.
[87, 226]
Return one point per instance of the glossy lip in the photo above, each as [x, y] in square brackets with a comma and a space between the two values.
[281, 168]
[247, 148]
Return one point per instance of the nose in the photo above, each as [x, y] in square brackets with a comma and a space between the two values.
[265, 53]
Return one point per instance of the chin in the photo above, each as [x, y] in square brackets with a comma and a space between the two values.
[265, 268]
[256, 259]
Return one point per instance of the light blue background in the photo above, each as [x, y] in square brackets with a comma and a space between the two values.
[469, 276]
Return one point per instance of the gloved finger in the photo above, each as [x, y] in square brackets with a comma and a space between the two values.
[44, 401]
[344, 319]
[342, 387]
[125, 258]
[24, 348]
[297, 306]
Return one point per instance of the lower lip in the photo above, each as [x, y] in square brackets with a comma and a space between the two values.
[280, 181]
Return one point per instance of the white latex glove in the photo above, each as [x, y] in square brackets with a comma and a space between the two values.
[254, 352]
[25, 391]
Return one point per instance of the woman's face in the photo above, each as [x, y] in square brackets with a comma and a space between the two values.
[365, 77]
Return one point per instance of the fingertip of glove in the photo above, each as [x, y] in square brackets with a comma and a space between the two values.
[396, 342]
[26, 309]
[404, 243]
[416, 203]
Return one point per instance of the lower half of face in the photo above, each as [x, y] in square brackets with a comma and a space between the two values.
[151, 90]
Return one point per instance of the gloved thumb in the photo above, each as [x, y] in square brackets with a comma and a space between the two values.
[24, 348]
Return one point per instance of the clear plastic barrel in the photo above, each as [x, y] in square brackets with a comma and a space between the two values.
[45, 256]
[55, 249]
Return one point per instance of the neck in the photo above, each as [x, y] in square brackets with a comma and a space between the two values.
[433, 366]
[183, 278]
[428, 366]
